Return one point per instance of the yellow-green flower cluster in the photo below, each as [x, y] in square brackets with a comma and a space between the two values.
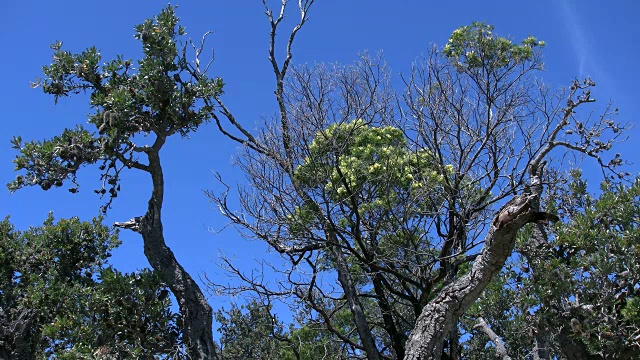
[373, 164]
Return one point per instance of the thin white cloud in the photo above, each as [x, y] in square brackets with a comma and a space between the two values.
[585, 54]
[577, 36]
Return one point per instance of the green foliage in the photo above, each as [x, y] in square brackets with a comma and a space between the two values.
[358, 157]
[475, 46]
[43, 266]
[252, 331]
[373, 180]
[600, 249]
[62, 156]
[249, 332]
[588, 275]
[40, 264]
[504, 306]
[83, 307]
[313, 343]
[162, 96]
[371, 167]
[123, 315]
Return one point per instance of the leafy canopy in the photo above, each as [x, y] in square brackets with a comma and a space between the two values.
[161, 96]
[475, 46]
[252, 331]
[55, 283]
[586, 289]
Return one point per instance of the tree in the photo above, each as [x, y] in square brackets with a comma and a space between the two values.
[396, 250]
[160, 99]
[249, 332]
[252, 331]
[386, 205]
[122, 316]
[585, 293]
[39, 268]
[59, 297]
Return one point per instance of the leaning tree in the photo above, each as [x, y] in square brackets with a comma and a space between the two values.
[155, 99]
[135, 109]
[398, 209]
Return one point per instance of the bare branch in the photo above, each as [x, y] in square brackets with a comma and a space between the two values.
[501, 350]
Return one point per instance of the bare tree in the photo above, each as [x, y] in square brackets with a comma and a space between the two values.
[384, 205]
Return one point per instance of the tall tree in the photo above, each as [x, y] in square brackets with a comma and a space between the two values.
[380, 201]
[161, 97]
[157, 98]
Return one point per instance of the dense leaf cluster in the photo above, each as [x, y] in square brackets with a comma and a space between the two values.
[161, 96]
[59, 297]
[370, 169]
[476, 46]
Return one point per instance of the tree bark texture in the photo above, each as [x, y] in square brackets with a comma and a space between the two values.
[437, 318]
[16, 335]
[197, 315]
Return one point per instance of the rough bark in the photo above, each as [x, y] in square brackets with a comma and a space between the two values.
[196, 312]
[16, 334]
[571, 349]
[438, 317]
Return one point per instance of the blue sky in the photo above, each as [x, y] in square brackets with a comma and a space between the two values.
[593, 38]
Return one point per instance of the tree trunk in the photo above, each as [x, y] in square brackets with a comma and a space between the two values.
[196, 311]
[454, 343]
[438, 317]
[17, 335]
[350, 292]
[197, 315]
[501, 350]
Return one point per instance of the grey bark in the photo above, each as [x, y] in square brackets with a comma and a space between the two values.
[501, 350]
[437, 318]
[16, 335]
[350, 293]
[196, 312]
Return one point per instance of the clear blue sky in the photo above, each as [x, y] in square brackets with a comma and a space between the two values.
[595, 38]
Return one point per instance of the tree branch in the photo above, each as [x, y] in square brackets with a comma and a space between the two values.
[500, 348]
